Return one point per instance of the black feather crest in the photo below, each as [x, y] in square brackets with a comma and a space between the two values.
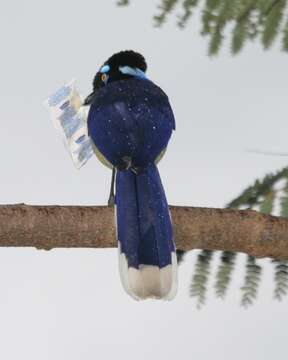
[127, 58]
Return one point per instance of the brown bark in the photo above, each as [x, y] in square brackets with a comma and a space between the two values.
[47, 227]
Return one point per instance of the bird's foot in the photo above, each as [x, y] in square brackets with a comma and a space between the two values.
[111, 200]
[137, 169]
[125, 163]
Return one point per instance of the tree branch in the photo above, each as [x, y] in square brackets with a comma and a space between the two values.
[47, 227]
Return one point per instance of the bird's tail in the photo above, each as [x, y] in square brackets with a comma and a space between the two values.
[147, 255]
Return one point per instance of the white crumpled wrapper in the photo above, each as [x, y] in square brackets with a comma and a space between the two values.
[70, 120]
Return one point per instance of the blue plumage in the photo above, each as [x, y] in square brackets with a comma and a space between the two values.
[130, 122]
[143, 221]
[131, 118]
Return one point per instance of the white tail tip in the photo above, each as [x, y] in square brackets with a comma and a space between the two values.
[149, 281]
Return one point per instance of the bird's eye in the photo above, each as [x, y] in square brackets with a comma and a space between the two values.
[104, 77]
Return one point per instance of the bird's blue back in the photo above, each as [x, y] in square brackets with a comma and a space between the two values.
[130, 118]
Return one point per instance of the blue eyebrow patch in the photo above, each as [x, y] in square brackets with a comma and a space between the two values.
[132, 71]
[105, 69]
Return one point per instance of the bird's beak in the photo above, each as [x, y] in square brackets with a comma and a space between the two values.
[89, 99]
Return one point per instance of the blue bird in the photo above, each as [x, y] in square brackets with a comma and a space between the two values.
[130, 122]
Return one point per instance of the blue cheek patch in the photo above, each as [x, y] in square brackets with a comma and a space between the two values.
[127, 70]
[105, 69]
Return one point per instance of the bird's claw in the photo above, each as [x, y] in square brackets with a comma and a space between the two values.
[111, 200]
[125, 163]
[137, 169]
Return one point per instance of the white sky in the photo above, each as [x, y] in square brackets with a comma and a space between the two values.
[69, 304]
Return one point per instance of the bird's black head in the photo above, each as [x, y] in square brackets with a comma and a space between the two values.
[122, 65]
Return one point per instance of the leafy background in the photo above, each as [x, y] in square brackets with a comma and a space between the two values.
[269, 196]
[247, 20]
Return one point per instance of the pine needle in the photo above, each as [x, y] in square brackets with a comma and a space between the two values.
[200, 278]
[224, 273]
[251, 283]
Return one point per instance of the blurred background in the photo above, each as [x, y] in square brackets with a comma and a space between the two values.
[227, 100]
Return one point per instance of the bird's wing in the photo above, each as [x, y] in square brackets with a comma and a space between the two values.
[134, 108]
[70, 119]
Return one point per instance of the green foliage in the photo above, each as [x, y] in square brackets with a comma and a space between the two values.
[215, 41]
[245, 25]
[274, 15]
[239, 35]
[166, 7]
[188, 6]
[218, 14]
[200, 278]
[251, 284]
[251, 196]
[281, 279]
[285, 37]
[250, 19]
[213, 4]
[262, 195]
[266, 206]
[224, 273]
[284, 201]
[123, 2]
